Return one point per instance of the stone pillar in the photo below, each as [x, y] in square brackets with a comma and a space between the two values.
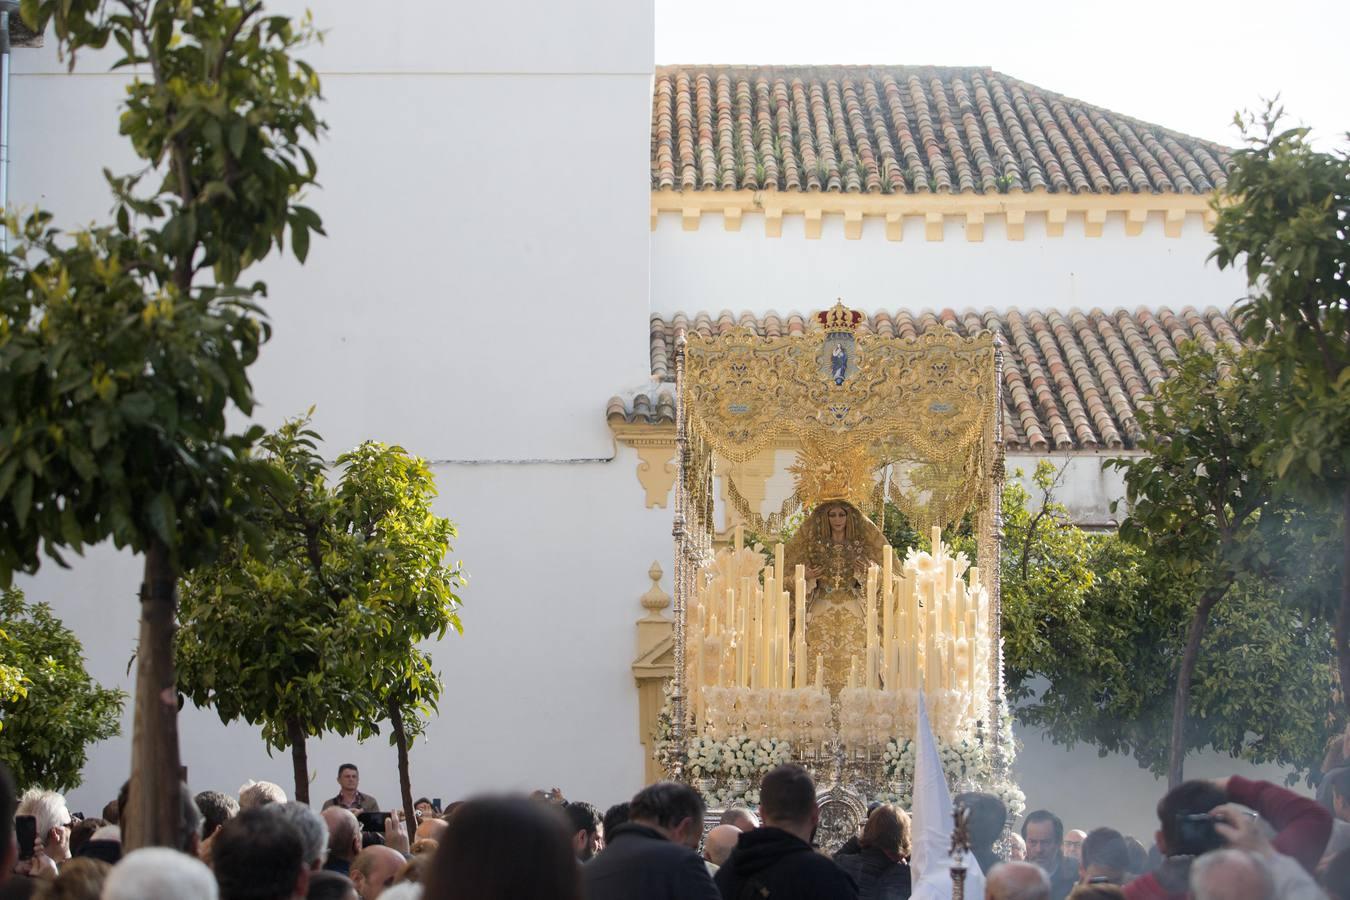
[653, 665]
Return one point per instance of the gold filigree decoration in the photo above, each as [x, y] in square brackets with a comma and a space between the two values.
[845, 475]
[772, 524]
[854, 403]
[933, 393]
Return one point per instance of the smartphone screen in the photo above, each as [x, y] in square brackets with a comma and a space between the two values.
[372, 821]
[25, 832]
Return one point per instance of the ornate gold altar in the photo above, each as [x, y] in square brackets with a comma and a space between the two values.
[830, 680]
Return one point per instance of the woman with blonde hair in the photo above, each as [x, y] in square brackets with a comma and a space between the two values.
[881, 870]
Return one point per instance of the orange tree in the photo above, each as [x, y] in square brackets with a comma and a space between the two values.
[1283, 219]
[124, 348]
[316, 623]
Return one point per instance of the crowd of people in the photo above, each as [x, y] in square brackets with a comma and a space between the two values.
[1231, 839]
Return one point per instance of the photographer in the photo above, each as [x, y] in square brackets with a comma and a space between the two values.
[1191, 828]
[1224, 873]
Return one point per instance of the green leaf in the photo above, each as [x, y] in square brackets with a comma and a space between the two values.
[238, 132]
[300, 241]
[137, 407]
[23, 498]
[163, 518]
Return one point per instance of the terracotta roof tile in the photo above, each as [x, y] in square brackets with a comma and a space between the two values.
[896, 129]
[1072, 380]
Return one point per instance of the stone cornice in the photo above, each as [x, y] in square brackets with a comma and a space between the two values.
[972, 210]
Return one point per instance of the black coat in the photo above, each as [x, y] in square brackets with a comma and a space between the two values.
[638, 863]
[878, 876]
[772, 863]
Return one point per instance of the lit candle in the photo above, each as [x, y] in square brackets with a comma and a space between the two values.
[853, 670]
[820, 672]
[739, 539]
[937, 542]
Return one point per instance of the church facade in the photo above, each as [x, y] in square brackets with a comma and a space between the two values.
[525, 214]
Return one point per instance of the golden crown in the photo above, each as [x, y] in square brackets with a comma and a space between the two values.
[841, 474]
[839, 318]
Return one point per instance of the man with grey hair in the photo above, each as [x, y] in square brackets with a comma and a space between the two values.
[216, 809]
[158, 873]
[253, 794]
[1017, 881]
[1241, 830]
[313, 830]
[1230, 874]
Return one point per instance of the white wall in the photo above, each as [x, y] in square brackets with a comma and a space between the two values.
[482, 291]
[471, 258]
[713, 269]
[538, 688]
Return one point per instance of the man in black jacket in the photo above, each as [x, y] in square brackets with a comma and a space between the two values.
[651, 856]
[777, 860]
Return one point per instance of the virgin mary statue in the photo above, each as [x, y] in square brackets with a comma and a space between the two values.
[836, 544]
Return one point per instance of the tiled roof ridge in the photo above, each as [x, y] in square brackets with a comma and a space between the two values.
[907, 128]
[859, 69]
[1073, 379]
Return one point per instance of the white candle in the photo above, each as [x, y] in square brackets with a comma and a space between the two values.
[739, 539]
[778, 563]
[800, 659]
[887, 614]
[820, 671]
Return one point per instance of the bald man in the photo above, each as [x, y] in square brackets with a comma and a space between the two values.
[740, 818]
[432, 829]
[344, 839]
[1073, 845]
[719, 843]
[1017, 881]
[374, 870]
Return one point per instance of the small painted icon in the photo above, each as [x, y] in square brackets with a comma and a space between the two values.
[839, 364]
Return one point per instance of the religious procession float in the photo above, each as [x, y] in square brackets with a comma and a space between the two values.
[811, 641]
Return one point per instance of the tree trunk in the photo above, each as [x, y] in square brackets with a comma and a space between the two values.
[1176, 754]
[1343, 616]
[295, 733]
[404, 780]
[151, 818]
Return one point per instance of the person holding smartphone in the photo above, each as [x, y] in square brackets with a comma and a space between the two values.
[50, 844]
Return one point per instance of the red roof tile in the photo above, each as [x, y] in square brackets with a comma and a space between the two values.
[1072, 380]
[906, 129]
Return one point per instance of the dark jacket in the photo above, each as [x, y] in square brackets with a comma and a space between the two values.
[638, 863]
[878, 876]
[771, 864]
[987, 858]
[1063, 878]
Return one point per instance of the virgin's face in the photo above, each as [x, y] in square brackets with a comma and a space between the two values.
[838, 518]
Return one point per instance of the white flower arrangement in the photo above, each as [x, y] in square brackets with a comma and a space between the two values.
[737, 756]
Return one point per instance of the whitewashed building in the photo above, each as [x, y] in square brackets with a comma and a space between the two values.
[523, 212]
